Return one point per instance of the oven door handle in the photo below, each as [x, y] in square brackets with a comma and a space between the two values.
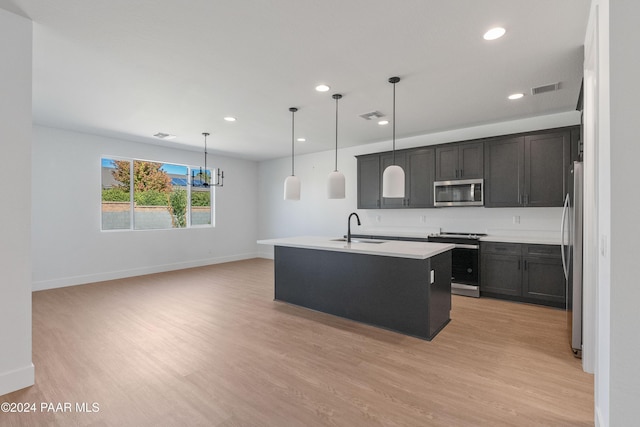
[461, 246]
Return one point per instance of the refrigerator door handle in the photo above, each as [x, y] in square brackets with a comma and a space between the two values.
[565, 209]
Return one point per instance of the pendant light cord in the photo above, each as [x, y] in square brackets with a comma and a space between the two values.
[203, 178]
[336, 96]
[394, 123]
[394, 80]
[336, 162]
[293, 119]
[292, 142]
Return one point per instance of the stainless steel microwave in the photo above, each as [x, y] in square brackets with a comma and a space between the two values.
[462, 192]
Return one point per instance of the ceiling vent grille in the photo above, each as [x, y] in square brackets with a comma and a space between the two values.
[372, 115]
[163, 135]
[546, 88]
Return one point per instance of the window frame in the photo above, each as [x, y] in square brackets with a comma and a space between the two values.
[132, 224]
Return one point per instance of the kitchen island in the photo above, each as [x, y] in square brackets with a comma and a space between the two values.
[401, 286]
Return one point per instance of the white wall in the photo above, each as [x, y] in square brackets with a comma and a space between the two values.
[70, 249]
[614, 35]
[16, 369]
[596, 283]
[621, 246]
[314, 214]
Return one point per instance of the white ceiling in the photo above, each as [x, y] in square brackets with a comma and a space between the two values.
[131, 68]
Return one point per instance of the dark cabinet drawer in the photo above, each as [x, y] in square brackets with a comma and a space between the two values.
[542, 250]
[501, 248]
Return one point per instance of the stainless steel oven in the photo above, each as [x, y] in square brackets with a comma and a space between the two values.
[465, 262]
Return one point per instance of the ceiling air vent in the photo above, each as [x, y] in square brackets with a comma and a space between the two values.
[163, 135]
[546, 88]
[372, 115]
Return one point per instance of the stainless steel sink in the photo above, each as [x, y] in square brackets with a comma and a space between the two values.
[359, 240]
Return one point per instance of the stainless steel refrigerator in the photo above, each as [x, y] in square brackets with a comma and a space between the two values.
[572, 244]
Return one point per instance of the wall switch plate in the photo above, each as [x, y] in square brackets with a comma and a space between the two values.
[516, 219]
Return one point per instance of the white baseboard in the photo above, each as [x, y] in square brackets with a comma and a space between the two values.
[267, 255]
[121, 274]
[17, 379]
[599, 421]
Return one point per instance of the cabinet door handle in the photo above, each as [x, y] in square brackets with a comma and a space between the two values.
[456, 173]
[408, 202]
[525, 264]
[461, 173]
[518, 264]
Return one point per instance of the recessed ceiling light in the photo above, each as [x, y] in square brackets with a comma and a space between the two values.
[383, 122]
[301, 139]
[230, 119]
[163, 135]
[515, 96]
[322, 88]
[494, 33]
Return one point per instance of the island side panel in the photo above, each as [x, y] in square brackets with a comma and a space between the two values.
[389, 292]
[440, 293]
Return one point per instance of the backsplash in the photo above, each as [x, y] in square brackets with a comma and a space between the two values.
[542, 222]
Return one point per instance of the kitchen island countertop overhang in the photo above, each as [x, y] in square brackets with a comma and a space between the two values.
[400, 286]
[391, 248]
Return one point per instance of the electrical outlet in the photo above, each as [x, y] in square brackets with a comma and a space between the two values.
[423, 218]
[516, 219]
[378, 218]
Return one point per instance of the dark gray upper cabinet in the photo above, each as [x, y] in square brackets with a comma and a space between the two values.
[527, 170]
[460, 161]
[504, 172]
[421, 175]
[385, 161]
[547, 158]
[419, 170]
[521, 170]
[369, 182]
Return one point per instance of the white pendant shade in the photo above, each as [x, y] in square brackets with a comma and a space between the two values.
[292, 188]
[336, 185]
[393, 182]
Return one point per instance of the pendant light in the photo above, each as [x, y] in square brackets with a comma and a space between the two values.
[393, 176]
[292, 183]
[203, 175]
[336, 182]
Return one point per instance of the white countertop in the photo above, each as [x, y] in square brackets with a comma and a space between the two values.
[392, 248]
[536, 240]
[530, 237]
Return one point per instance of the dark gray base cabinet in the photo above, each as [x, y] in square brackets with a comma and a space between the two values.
[388, 292]
[523, 272]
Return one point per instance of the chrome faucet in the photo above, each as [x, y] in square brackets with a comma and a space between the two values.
[349, 225]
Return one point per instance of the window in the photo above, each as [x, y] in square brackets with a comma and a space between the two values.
[160, 196]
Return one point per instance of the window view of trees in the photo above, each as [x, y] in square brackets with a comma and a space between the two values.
[161, 196]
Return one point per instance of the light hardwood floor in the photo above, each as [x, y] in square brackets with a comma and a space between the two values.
[209, 346]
